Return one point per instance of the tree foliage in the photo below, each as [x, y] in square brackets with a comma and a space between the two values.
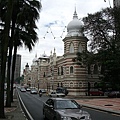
[17, 28]
[103, 30]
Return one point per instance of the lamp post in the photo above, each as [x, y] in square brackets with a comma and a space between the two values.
[37, 74]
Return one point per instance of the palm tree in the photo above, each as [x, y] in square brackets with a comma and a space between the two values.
[25, 31]
[23, 22]
[4, 48]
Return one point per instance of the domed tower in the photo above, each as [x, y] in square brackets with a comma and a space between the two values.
[75, 41]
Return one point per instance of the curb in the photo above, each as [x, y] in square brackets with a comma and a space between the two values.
[27, 114]
[101, 109]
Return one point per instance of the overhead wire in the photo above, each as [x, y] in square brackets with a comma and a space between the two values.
[49, 30]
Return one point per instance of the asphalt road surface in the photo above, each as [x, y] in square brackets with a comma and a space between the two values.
[34, 105]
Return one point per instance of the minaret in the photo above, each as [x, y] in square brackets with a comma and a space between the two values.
[75, 41]
[27, 67]
[54, 57]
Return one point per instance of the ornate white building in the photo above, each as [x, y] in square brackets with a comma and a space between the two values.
[49, 72]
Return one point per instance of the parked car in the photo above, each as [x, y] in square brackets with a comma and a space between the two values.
[23, 90]
[64, 109]
[62, 90]
[96, 92]
[28, 89]
[33, 91]
[114, 94]
[55, 94]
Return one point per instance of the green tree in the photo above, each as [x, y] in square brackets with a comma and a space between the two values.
[103, 31]
[22, 32]
[4, 42]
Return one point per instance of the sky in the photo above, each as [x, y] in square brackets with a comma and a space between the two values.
[54, 17]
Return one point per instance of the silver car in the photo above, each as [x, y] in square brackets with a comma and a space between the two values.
[55, 94]
[64, 109]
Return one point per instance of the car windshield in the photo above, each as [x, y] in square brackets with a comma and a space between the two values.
[66, 104]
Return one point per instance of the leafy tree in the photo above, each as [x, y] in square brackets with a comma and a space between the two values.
[103, 32]
[23, 27]
[24, 32]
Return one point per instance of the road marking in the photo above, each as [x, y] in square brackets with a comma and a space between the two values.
[25, 107]
[107, 112]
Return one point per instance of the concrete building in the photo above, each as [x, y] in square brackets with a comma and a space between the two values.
[49, 72]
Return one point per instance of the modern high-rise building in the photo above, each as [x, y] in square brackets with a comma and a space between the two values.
[17, 66]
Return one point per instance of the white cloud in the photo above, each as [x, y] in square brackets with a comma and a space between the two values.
[57, 14]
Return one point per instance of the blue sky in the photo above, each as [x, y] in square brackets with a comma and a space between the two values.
[54, 17]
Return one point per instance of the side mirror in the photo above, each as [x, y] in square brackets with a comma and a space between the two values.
[80, 106]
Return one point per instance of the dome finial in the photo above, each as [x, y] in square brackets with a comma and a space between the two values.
[75, 13]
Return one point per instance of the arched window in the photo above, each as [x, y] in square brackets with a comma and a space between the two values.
[95, 69]
[71, 84]
[44, 74]
[95, 85]
[80, 84]
[71, 48]
[61, 70]
[71, 69]
[58, 71]
[89, 70]
[80, 48]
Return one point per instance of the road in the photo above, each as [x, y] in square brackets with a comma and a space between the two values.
[34, 105]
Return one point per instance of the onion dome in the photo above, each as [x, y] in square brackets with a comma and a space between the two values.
[75, 27]
[35, 60]
[27, 66]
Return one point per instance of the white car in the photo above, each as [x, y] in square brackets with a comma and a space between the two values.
[28, 89]
[23, 90]
[55, 94]
[33, 91]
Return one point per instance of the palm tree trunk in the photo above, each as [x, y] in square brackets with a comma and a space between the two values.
[13, 70]
[9, 100]
[4, 49]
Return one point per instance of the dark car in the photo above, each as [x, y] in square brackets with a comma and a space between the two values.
[62, 90]
[114, 94]
[96, 92]
[64, 109]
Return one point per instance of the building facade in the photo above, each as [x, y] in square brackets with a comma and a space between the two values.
[50, 72]
[116, 3]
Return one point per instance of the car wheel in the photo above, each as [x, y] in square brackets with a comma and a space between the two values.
[90, 94]
[45, 118]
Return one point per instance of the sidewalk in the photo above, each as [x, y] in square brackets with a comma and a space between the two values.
[111, 105]
[15, 111]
